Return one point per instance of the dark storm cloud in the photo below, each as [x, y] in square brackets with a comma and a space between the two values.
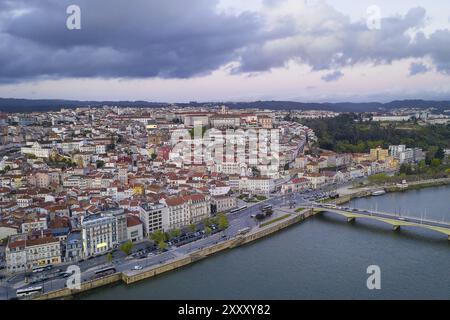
[333, 41]
[417, 68]
[182, 39]
[334, 76]
[174, 38]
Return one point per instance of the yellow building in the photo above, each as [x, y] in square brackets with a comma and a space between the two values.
[379, 154]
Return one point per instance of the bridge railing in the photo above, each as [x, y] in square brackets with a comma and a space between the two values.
[371, 212]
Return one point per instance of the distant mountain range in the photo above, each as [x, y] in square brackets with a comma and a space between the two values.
[27, 105]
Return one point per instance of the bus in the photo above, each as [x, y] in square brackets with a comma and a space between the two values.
[42, 269]
[26, 292]
[38, 269]
[105, 272]
[238, 209]
[266, 208]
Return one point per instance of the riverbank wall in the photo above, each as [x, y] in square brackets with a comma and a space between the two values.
[129, 277]
[86, 286]
[389, 189]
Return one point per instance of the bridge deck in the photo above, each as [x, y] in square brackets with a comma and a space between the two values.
[394, 221]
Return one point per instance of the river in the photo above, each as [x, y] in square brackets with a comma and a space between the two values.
[323, 258]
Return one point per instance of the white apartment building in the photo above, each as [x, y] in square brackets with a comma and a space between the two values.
[98, 234]
[178, 213]
[154, 216]
[37, 150]
[185, 210]
[134, 229]
[23, 253]
[258, 185]
[316, 179]
[231, 168]
[34, 225]
[100, 149]
[225, 121]
[223, 203]
[406, 155]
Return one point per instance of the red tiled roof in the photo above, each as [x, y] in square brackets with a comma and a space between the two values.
[133, 221]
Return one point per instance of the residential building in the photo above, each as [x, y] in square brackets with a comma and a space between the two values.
[154, 217]
[25, 253]
[99, 234]
[74, 247]
[379, 154]
[256, 185]
[135, 231]
[222, 203]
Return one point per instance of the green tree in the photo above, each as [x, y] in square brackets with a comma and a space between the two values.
[406, 169]
[435, 163]
[175, 233]
[109, 257]
[206, 222]
[422, 166]
[157, 236]
[208, 230]
[222, 221]
[162, 245]
[256, 172]
[192, 227]
[126, 247]
[100, 164]
[440, 154]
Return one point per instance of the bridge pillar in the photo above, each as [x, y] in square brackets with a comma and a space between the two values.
[396, 228]
[351, 219]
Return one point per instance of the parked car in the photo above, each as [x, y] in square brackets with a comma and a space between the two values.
[138, 268]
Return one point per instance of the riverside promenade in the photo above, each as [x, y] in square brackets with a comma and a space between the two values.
[290, 218]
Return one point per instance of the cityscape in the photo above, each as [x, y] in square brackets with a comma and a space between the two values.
[113, 194]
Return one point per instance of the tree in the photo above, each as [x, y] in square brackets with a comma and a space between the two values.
[222, 221]
[100, 164]
[158, 236]
[30, 156]
[175, 233]
[109, 257]
[422, 166]
[440, 154]
[435, 163]
[126, 247]
[206, 222]
[406, 169]
[192, 227]
[162, 245]
[153, 156]
[208, 230]
[256, 172]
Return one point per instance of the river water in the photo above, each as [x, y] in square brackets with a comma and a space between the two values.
[323, 258]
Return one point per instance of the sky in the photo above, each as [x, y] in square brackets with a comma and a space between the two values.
[226, 50]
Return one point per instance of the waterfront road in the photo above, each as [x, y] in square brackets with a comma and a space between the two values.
[237, 222]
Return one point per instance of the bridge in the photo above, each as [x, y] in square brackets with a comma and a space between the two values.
[395, 221]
